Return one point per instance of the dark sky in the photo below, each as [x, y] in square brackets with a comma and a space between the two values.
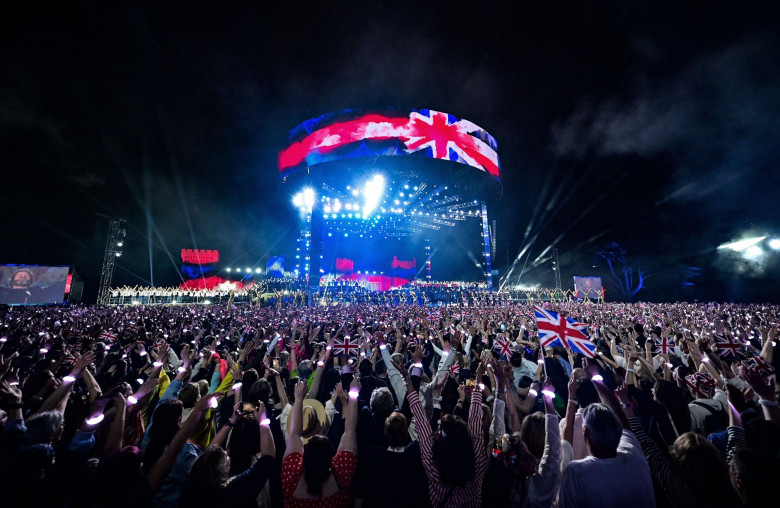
[651, 124]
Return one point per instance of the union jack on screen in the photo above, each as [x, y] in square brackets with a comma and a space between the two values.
[557, 330]
[423, 132]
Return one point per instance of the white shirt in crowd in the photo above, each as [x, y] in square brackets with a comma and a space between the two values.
[621, 481]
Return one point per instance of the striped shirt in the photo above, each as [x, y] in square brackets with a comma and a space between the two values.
[667, 476]
[470, 494]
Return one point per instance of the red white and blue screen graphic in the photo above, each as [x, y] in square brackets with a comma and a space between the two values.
[426, 133]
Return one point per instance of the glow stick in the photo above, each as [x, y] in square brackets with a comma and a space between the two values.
[95, 419]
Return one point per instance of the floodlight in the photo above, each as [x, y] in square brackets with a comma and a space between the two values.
[774, 243]
[309, 197]
[753, 252]
[117, 254]
[741, 245]
[373, 191]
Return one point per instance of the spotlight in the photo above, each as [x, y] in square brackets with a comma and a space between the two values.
[117, 254]
[741, 245]
[309, 198]
[257, 270]
[774, 243]
[228, 270]
[753, 252]
[120, 243]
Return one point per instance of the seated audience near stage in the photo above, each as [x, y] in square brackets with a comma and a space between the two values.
[236, 404]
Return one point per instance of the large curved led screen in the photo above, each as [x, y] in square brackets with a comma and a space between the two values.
[424, 132]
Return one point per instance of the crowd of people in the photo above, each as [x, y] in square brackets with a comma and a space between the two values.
[280, 292]
[379, 405]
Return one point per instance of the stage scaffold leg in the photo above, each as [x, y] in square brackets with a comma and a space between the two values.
[486, 254]
[428, 259]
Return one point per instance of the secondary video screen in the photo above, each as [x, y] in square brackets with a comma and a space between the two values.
[32, 285]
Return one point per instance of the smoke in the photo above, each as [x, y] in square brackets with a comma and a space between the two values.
[717, 119]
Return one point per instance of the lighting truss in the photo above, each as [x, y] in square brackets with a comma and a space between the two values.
[407, 206]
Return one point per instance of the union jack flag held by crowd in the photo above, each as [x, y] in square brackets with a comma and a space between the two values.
[107, 335]
[664, 345]
[557, 330]
[502, 344]
[346, 346]
[728, 347]
[763, 366]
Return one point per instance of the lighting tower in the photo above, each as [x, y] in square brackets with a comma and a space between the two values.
[557, 271]
[114, 244]
[304, 202]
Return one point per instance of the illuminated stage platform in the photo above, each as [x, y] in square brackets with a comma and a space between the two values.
[388, 197]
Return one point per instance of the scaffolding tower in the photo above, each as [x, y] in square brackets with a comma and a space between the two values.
[114, 244]
[557, 271]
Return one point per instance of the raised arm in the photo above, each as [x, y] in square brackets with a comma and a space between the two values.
[571, 411]
[59, 398]
[267, 445]
[165, 463]
[221, 438]
[283, 401]
[765, 390]
[349, 438]
[116, 432]
[295, 443]
[606, 395]
[767, 348]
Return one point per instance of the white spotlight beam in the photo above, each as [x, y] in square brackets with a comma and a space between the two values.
[741, 245]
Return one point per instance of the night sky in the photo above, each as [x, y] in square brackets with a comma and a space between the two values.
[653, 125]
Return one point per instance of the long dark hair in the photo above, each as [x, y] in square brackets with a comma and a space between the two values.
[208, 474]
[244, 443]
[675, 401]
[453, 452]
[164, 425]
[317, 455]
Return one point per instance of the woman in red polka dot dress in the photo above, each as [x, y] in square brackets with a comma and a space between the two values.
[311, 475]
